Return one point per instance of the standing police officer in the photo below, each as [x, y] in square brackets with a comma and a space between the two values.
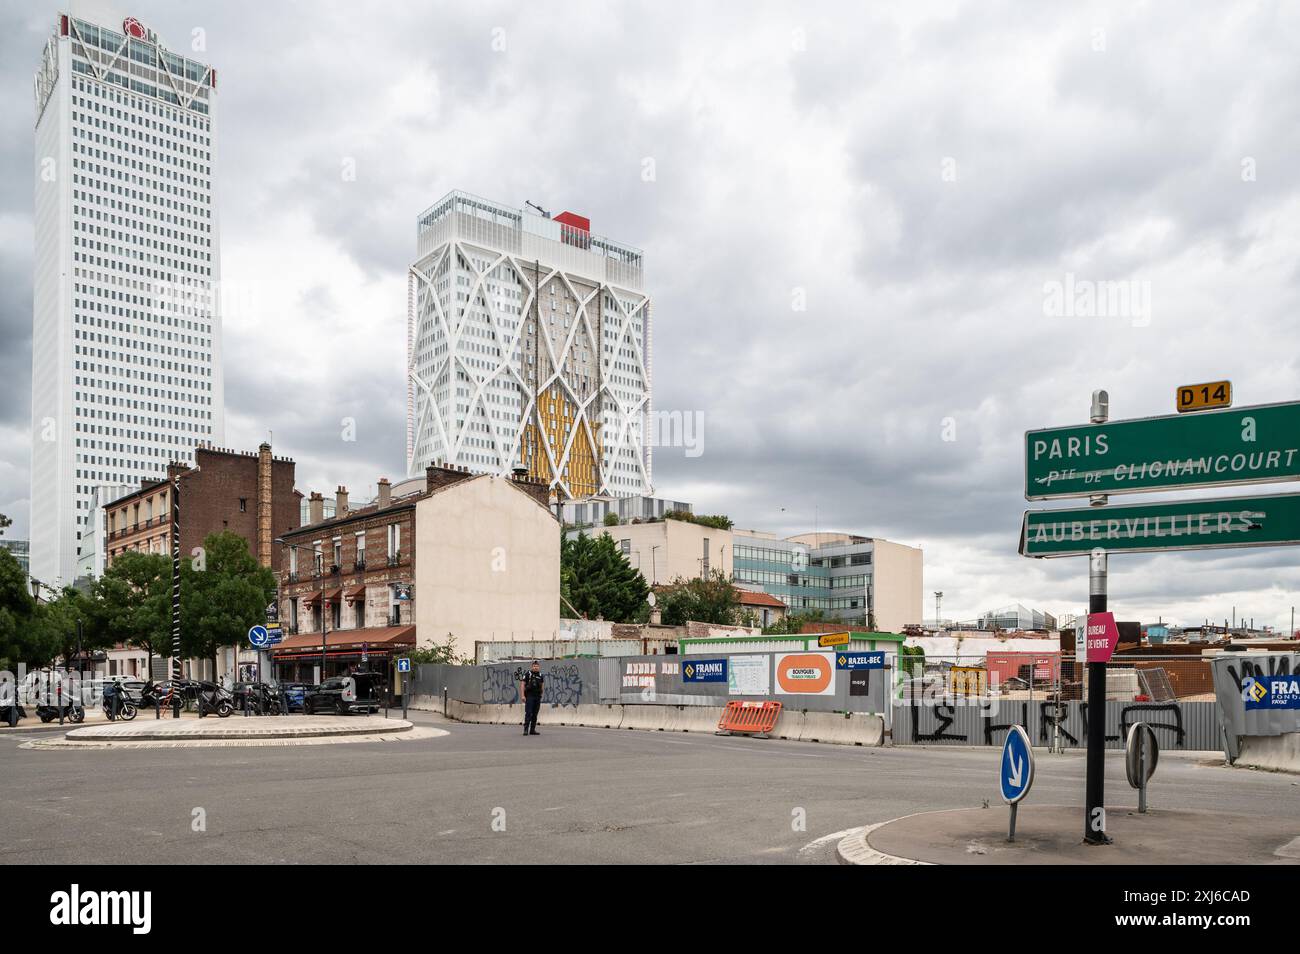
[532, 686]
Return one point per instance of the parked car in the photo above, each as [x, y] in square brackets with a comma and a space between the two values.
[344, 695]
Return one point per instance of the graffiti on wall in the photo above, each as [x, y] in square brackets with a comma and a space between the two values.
[499, 686]
[563, 686]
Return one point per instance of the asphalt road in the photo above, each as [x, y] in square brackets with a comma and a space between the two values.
[570, 795]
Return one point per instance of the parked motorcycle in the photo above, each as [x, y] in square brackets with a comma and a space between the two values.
[157, 695]
[117, 704]
[73, 711]
[214, 699]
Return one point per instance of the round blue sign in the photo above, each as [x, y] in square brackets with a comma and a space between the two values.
[257, 635]
[1017, 766]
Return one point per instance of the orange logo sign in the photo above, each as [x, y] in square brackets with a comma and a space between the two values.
[805, 673]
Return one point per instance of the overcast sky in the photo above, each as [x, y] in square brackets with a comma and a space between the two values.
[851, 216]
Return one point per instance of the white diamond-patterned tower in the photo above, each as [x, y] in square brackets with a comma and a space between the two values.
[528, 345]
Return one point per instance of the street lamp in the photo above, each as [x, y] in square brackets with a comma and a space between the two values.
[324, 616]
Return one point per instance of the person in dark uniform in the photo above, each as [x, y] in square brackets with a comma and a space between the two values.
[533, 683]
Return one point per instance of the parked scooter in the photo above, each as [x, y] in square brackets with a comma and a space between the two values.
[117, 704]
[214, 699]
[73, 711]
[156, 695]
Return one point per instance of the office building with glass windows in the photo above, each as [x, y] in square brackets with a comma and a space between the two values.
[126, 342]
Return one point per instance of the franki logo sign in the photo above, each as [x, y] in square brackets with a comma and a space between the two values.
[93, 908]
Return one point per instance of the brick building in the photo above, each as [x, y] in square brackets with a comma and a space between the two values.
[251, 494]
[352, 572]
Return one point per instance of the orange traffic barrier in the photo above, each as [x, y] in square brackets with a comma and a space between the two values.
[751, 718]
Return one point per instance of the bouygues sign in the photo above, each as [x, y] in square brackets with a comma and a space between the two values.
[805, 674]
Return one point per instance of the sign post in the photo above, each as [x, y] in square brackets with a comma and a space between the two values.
[404, 667]
[1141, 752]
[1094, 818]
[1017, 771]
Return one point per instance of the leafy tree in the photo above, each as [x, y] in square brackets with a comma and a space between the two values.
[439, 653]
[596, 580]
[54, 627]
[17, 607]
[709, 600]
[132, 602]
[794, 623]
[223, 596]
[611, 520]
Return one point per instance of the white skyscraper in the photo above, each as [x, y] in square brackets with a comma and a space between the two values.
[528, 345]
[126, 344]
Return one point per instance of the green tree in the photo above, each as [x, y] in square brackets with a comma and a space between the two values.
[223, 596]
[709, 600]
[439, 653]
[17, 607]
[54, 627]
[132, 602]
[794, 622]
[611, 520]
[596, 580]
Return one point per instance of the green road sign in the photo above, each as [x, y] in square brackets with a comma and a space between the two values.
[1206, 524]
[1245, 445]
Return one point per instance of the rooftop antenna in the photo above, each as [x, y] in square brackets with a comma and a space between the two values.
[534, 205]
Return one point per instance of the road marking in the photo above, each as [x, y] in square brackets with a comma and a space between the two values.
[833, 836]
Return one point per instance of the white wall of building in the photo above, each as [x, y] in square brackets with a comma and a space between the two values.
[487, 565]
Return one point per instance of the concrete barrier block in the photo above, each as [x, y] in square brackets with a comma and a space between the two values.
[1278, 753]
[840, 728]
[789, 725]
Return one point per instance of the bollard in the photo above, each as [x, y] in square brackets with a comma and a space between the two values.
[157, 708]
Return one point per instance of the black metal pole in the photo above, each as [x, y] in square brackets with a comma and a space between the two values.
[176, 591]
[1094, 819]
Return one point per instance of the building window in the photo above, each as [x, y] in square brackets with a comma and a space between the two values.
[361, 550]
[394, 542]
[243, 505]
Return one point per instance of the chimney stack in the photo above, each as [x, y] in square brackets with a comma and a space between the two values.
[341, 501]
[442, 475]
[385, 493]
[315, 508]
[264, 504]
[535, 487]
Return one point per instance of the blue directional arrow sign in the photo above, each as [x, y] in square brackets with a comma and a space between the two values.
[1017, 773]
[403, 664]
[258, 636]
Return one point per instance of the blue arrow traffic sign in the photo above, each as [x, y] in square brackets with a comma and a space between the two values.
[1017, 765]
[403, 664]
[258, 636]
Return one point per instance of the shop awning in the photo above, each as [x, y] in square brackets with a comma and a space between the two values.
[354, 594]
[332, 596]
[378, 639]
[311, 599]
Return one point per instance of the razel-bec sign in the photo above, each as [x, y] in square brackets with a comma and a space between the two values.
[1101, 635]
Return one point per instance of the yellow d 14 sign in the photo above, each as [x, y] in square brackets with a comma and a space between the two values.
[1201, 397]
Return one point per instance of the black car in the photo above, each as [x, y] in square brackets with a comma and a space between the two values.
[344, 695]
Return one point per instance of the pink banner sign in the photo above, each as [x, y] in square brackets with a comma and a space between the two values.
[1102, 635]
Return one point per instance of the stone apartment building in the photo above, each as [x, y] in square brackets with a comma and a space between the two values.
[355, 573]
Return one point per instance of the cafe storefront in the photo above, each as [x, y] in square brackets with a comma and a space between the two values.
[298, 657]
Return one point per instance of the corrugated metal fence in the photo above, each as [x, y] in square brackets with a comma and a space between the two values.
[1193, 726]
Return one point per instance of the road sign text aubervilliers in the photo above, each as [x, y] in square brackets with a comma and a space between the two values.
[1257, 444]
[1200, 524]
